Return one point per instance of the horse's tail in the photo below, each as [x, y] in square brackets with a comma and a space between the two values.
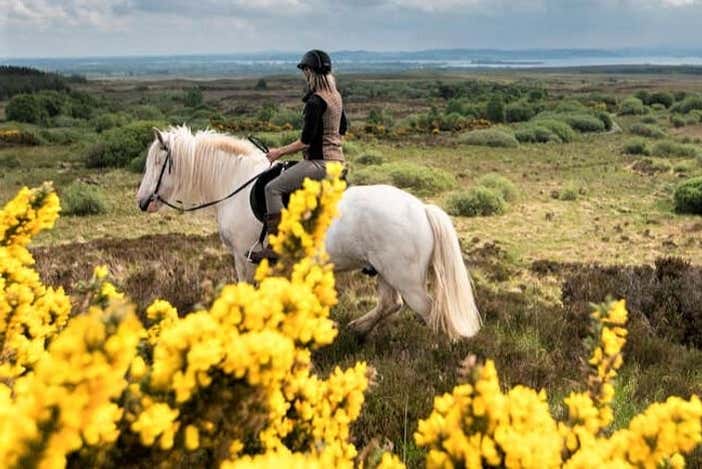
[454, 310]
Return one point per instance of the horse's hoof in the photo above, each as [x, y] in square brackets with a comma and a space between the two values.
[358, 329]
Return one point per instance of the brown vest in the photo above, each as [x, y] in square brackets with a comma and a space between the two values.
[331, 121]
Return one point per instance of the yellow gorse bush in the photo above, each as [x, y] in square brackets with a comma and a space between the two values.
[479, 425]
[232, 385]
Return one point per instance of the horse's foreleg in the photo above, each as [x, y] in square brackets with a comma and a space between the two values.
[244, 269]
[389, 302]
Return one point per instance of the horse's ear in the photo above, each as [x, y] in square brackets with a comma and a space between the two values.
[159, 136]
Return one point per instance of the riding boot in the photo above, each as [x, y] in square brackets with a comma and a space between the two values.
[272, 222]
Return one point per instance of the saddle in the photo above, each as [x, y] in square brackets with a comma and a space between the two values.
[257, 199]
[258, 192]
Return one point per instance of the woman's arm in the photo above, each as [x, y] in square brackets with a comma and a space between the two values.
[294, 147]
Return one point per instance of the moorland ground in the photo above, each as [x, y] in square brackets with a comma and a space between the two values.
[561, 185]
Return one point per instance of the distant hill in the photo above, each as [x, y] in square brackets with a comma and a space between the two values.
[16, 80]
[277, 62]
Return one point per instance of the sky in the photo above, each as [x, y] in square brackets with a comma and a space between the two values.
[75, 28]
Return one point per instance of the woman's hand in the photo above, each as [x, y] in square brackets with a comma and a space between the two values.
[273, 154]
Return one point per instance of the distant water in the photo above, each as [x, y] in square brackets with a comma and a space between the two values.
[345, 61]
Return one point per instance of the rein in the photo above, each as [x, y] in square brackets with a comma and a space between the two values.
[169, 162]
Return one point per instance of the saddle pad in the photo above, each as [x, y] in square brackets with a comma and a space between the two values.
[258, 192]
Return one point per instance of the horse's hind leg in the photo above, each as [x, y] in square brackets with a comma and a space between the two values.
[389, 302]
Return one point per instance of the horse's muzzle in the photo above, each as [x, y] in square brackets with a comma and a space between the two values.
[144, 203]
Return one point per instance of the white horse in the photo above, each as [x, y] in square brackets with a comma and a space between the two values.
[407, 242]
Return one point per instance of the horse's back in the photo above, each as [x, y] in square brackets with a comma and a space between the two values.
[376, 222]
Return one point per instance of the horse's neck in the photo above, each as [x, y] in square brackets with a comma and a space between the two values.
[228, 177]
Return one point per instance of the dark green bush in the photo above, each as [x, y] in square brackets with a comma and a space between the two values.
[26, 108]
[661, 97]
[649, 120]
[61, 136]
[121, 145]
[490, 138]
[606, 119]
[637, 146]
[632, 106]
[83, 199]
[570, 106]
[108, 121]
[478, 201]
[644, 130]
[688, 104]
[495, 110]
[670, 148]
[193, 97]
[464, 108]
[52, 101]
[678, 121]
[535, 133]
[147, 112]
[564, 131]
[584, 122]
[688, 196]
[519, 111]
[137, 165]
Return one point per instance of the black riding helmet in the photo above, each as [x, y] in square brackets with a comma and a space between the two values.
[317, 60]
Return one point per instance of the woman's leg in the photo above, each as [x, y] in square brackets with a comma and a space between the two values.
[290, 181]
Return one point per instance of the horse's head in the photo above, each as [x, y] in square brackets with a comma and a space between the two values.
[157, 178]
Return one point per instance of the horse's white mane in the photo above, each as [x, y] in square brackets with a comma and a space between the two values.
[206, 163]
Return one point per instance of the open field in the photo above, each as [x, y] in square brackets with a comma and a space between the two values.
[587, 219]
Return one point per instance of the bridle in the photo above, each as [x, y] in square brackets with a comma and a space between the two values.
[168, 162]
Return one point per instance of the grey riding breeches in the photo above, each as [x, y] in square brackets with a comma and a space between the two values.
[291, 180]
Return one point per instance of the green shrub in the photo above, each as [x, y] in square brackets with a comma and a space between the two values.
[678, 121]
[632, 106]
[570, 106]
[420, 180]
[61, 136]
[501, 184]
[661, 97]
[121, 145]
[606, 119]
[67, 121]
[490, 138]
[644, 130]
[696, 114]
[519, 111]
[688, 104]
[564, 131]
[287, 116]
[495, 110]
[670, 148]
[478, 201]
[688, 196]
[108, 121]
[9, 162]
[535, 133]
[369, 159]
[192, 97]
[463, 108]
[649, 120]
[26, 108]
[637, 146]
[53, 102]
[83, 199]
[147, 112]
[137, 165]
[583, 122]
[568, 193]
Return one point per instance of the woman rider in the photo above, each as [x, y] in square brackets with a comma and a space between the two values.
[324, 122]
